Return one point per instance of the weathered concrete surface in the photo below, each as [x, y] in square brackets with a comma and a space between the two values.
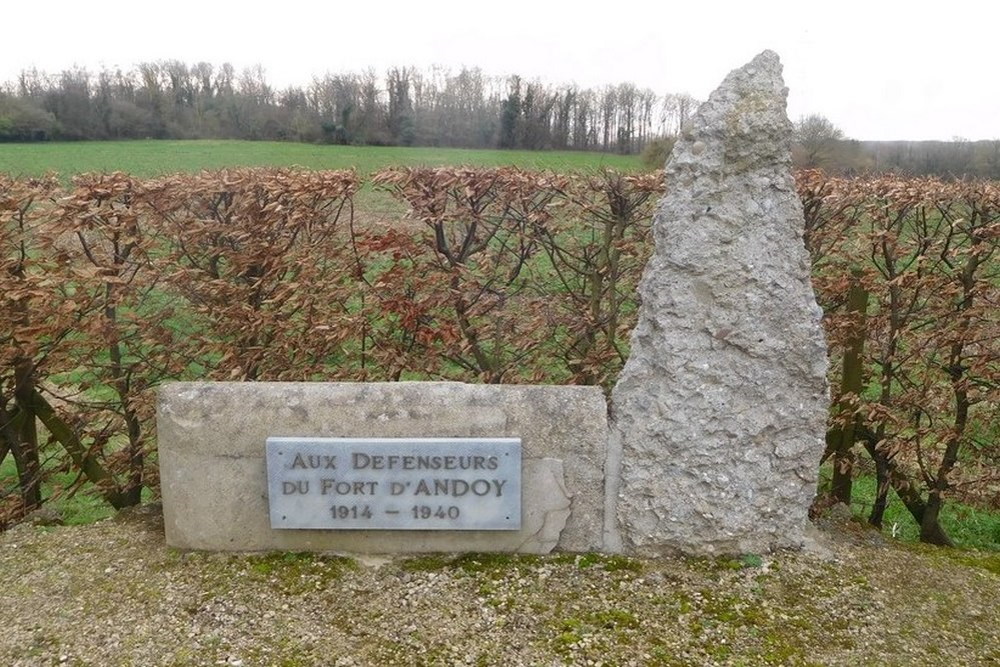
[212, 473]
[719, 415]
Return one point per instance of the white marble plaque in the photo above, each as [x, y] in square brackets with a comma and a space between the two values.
[394, 483]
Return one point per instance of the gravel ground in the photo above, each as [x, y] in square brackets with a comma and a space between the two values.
[112, 593]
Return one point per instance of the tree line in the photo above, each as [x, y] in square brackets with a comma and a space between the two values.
[405, 106]
[821, 144]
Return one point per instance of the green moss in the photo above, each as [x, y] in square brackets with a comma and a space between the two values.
[615, 618]
[620, 564]
[610, 563]
[580, 560]
[989, 561]
[778, 652]
[487, 659]
[495, 562]
[725, 563]
[661, 657]
[473, 563]
[725, 609]
[427, 563]
[602, 628]
[566, 639]
[719, 651]
[297, 573]
[269, 563]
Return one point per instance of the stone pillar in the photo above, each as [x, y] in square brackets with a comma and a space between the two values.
[719, 416]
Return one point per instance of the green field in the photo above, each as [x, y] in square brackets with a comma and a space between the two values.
[150, 158]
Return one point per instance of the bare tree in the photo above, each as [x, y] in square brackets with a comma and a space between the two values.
[817, 140]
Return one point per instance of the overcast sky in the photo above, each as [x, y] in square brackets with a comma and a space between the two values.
[877, 69]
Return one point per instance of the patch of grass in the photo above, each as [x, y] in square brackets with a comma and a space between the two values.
[151, 157]
[82, 506]
[968, 526]
[79, 508]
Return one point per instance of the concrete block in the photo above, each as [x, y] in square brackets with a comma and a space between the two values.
[212, 459]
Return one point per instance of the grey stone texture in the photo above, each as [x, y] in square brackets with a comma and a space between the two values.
[212, 467]
[719, 415]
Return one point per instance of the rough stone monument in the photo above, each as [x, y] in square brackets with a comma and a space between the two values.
[718, 418]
